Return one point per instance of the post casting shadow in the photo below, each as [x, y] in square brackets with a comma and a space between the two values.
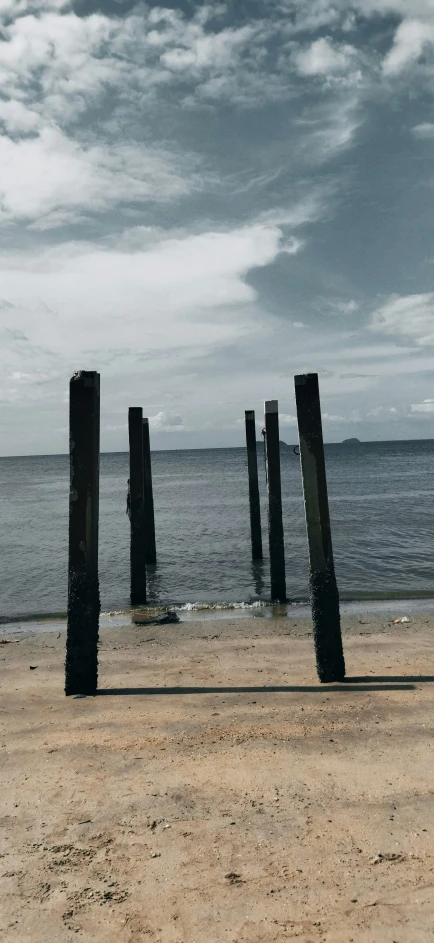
[371, 679]
[272, 689]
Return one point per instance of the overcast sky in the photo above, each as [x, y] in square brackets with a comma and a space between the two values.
[200, 200]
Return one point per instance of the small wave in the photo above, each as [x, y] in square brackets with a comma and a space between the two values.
[219, 606]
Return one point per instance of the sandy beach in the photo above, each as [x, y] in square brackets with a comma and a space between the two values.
[214, 791]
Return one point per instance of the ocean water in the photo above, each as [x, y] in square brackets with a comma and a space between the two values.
[381, 507]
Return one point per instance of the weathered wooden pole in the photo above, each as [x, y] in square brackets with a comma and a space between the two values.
[137, 507]
[275, 523]
[81, 666]
[255, 506]
[322, 581]
[151, 551]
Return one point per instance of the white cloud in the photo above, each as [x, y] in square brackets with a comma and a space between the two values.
[427, 406]
[73, 178]
[329, 129]
[15, 8]
[61, 62]
[347, 307]
[323, 57]
[16, 117]
[67, 63]
[424, 130]
[187, 292]
[410, 39]
[166, 421]
[165, 317]
[382, 412]
[199, 51]
[286, 419]
[409, 316]
[309, 208]
[177, 311]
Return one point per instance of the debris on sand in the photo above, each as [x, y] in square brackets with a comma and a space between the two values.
[387, 856]
[155, 618]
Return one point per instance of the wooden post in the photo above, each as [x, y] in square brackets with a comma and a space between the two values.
[323, 588]
[137, 508]
[81, 666]
[275, 523]
[255, 507]
[151, 551]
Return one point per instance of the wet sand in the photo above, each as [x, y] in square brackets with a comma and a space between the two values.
[214, 791]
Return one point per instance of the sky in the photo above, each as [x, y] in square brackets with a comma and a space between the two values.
[200, 200]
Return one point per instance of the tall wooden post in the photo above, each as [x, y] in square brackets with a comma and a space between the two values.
[323, 588]
[137, 508]
[81, 666]
[151, 551]
[275, 523]
[252, 465]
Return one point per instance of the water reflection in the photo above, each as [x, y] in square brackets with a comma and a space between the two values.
[258, 576]
[153, 584]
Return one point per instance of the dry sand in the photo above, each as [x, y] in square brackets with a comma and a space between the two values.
[225, 795]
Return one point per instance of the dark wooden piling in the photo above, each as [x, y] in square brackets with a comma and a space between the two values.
[322, 580]
[151, 550]
[275, 522]
[137, 507]
[255, 506]
[81, 666]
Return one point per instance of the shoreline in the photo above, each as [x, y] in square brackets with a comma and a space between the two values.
[209, 612]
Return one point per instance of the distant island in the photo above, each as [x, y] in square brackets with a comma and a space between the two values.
[353, 441]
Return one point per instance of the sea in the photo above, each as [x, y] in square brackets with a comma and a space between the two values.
[381, 498]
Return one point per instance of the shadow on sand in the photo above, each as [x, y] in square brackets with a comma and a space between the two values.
[354, 685]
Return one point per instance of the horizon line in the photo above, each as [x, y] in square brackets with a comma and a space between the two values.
[221, 448]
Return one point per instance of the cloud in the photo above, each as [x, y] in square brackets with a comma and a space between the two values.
[324, 58]
[56, 66]
[312, 206]
[286, 419]
[408, 316]
[306, 17]
[347, 307]
[73, 179]
[172, 293]
[336, 306]
[422, 8]
[329, 129]
[382, 412]
[425, 131]
[67, 63]
[427, 406]
[17, 118]
[11, 9]
[61, 63]
[410, 39]
[6, 305]
[199, 51]
[166, 421]
[174, 310]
